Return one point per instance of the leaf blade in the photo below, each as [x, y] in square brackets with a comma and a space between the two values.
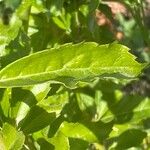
[71, 63]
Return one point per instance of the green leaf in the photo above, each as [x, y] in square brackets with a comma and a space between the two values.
[10, 138]
[70, 63]
[18, 142]
[142, 111]
[26, 98]
[130, 109]
[4, 102]
[118, 129]
[45, 144]
[78, 144]
[54, 103]
[60, 141]
[77, 130]
[9, 33]
[2, 145]
[93, 108]
[22, 11]
[129, 138]
[59, 22]
[56, 7]
[36, 119]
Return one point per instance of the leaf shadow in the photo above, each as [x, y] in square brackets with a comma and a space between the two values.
[22, 95]
[44, 145]
[127, 139]
[16, 50]
[36, 119]
[123, 107]
[100, 129]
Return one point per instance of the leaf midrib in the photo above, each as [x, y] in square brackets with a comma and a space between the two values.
[64, 69]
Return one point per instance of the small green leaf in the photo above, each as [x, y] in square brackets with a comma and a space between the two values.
[60, 141]
[5, 102]
[18, 142]
[2, 144]
[130, 109]
[142, 111]
[78, 144]
[59, 23]
[129, 138]
[77, 130]
[70, 63]
[54, 103]
[10, 138]
[9, 33]
[118, 129]
[36, 119]
[56, 7]
[22, 11]
[93, 108]
[45, 144]
[26, 98]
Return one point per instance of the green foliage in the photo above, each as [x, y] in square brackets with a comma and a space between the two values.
[10, 138]
[62, 86]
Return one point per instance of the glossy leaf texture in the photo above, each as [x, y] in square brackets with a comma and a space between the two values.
[70, 64]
